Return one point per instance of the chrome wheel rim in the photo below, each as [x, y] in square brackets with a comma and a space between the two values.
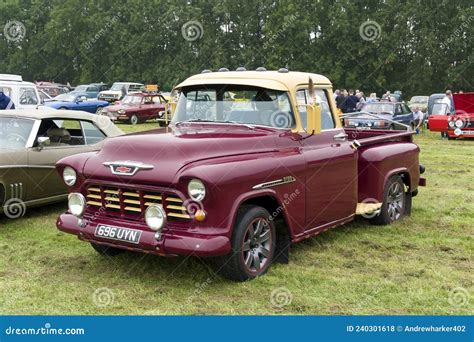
[395, 201]
[256, 247]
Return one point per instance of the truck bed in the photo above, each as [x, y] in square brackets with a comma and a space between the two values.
[363, 137]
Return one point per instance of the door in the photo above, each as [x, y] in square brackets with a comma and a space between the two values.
[66, 138]
[331, 168]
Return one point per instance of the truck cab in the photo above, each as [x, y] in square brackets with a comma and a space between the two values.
[252, 162]
[23, 94]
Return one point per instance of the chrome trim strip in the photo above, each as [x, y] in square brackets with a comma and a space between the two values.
[137, 166]
[16, 191]
[281, 181]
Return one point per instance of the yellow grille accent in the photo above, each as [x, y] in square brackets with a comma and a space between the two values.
[173, 199]
[131, 201]
[98, 204]
[112, 199]
[138, 210]
[94, 196]
[178, 207]
[152, 197]
[115, 206]
[113, 192]
[131, 194]
[179, 215]
[94, 189]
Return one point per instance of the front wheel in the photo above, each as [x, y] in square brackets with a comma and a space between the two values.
[394, 202]
[134, 119]
[98, 110]
[253, 245]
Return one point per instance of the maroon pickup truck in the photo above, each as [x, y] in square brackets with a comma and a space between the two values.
[252, 162]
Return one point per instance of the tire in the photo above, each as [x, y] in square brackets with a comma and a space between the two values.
[394, 205]
[98, 110]
[392, 127]
[246, 260]
[62, 108]
[134, 119]
[106, 250]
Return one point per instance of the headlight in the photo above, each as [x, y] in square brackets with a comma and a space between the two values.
[459, 123]
[155, 217]
[451, 124]
[77, 204]
[196, 190]
[69, 176]
[121, 111]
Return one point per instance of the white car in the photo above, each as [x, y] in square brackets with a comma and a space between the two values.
[23, 94]
[119, 90]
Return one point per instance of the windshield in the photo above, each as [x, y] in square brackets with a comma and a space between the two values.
[14, 133]
[440, 109]
[118, 87]
[81, 88]
[132, 99]
[235, 104]
[419, 99]
[65, 98]
[378, 108]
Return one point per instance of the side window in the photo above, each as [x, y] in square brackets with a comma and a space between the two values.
[398, 109]
[302, 98]
[6, 90]
[28, 96]
[406, 109]
[92, 134]
[62, 133]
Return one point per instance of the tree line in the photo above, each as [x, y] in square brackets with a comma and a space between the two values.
[419, 47]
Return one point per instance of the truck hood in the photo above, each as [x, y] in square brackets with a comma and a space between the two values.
[164, 152]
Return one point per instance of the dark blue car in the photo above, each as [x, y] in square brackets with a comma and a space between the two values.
[395, 111]
[76, 101]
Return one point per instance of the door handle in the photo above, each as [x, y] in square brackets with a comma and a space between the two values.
[340, 136]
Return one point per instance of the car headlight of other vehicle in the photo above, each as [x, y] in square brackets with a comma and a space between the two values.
[76, 204]
[196, 190]
[451, 124]
[121, 111]
[69, 176]
[459, 123]
[155, 217]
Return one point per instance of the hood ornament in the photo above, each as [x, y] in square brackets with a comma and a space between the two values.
[127, 167]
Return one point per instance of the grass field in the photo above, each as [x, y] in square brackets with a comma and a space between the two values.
[420, 265]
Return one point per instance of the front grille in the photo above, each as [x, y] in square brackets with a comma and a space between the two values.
[132, 203]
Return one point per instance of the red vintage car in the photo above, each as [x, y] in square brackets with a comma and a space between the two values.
[252, 162]
[137, 108]
[458, 125]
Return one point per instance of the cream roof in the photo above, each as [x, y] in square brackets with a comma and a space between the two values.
[265, 79]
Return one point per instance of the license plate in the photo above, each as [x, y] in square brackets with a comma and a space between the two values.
[118, 233]
[467, 132]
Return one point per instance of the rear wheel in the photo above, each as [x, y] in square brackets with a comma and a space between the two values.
[394, 202]
[134, 119]
[253, 245]
[60, 108]
[106, 250]
[98, 110]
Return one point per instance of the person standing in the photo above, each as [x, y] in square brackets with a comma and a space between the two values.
[448, 100]
[418, 117]
[5, 101]
[350, 103]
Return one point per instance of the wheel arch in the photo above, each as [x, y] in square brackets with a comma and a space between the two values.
[270, 202]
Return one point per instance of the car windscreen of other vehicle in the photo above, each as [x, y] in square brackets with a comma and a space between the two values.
[117, 87]
[65, 98]
[14, 133]
[238, 104]
[132, 99]
[419, 99]
[378, 108]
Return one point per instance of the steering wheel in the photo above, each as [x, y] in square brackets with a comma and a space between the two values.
[16, 138]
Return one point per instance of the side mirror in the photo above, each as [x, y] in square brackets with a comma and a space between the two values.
[313, 114]
[43, 142]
